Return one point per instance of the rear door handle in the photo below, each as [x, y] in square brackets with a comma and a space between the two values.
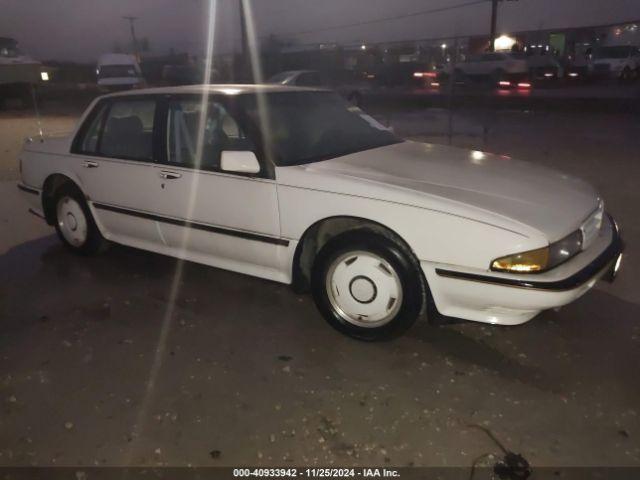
[169, 175]
[90, 164]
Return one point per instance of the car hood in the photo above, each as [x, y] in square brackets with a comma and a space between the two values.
[494, 189]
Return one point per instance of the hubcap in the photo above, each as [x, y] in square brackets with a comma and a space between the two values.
[71, 221]
[364, 289]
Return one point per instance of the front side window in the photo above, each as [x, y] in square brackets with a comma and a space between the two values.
[128, 130]
[196, 137]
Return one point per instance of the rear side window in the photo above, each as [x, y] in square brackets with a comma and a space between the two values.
[128, 130]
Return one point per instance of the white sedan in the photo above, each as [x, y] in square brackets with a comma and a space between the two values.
[296, 186]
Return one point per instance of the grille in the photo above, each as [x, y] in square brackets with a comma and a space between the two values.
[591, 227]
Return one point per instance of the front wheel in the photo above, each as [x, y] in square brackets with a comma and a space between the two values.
[367, 286]
[75, 224]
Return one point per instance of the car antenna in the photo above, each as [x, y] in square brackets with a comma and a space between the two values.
[34, 97]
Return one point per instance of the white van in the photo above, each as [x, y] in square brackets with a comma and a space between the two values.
[117, 71]
[616, 61]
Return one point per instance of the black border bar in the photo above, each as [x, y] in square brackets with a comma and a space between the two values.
[196, 226]
[297, 472]
[579, 278]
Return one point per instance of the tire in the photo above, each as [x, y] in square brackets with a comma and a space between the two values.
[74, 222]
[367, 285]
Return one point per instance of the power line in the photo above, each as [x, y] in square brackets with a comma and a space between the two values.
[388, 19]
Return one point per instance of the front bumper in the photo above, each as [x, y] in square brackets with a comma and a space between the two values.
[509, 299]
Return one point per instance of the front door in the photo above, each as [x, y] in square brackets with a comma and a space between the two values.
[220, 218]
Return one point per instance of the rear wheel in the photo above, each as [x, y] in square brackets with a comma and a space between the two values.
[367, 286]
[74, 223]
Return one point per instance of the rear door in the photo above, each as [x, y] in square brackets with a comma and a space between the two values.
[115, 152]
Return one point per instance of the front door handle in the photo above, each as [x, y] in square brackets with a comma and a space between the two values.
[89, 164]
[169, 175]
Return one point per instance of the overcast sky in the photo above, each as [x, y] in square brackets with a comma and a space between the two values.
[83, 29]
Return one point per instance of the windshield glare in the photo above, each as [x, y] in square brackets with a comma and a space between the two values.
[306, 127]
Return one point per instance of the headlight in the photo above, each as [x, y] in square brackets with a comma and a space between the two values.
[542, 259]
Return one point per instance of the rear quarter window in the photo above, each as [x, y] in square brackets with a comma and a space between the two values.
[120, 128]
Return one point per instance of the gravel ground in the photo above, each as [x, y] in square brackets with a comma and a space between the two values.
[99, 367]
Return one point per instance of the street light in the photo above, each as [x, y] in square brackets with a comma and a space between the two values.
[494, 22]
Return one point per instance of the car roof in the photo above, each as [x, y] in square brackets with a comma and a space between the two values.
[220, 89]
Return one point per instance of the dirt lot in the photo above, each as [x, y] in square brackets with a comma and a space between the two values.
[97, 366]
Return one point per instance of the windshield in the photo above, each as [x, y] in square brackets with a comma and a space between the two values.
[117, 71]
[612, 52]
[308, 127]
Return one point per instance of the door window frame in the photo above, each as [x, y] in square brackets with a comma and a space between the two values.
[103, 108]
[267, 170]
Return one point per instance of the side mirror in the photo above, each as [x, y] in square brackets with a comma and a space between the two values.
[239, 162]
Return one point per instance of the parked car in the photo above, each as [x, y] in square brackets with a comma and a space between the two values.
[404, 75]
[346, 82]
[622, 62]
[544, 66]
[497, 66]
[117, 71]
[315, 193]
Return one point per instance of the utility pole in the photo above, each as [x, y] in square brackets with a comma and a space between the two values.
[244, 47]
[494, 24]
[133, 35]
